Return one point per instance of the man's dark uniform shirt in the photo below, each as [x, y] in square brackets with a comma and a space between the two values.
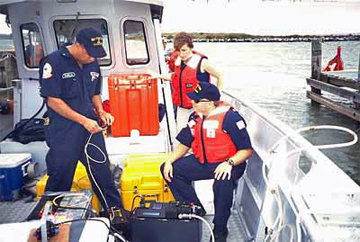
[67, 81]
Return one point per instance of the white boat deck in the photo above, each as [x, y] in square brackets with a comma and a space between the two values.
[118, 148]
[16, 212]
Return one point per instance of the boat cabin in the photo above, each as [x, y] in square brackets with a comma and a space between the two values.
[132, 40]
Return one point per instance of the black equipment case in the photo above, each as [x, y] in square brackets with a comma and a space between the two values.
[165, 230]
[159, 222]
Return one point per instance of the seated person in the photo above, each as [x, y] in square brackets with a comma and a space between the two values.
[217, 134]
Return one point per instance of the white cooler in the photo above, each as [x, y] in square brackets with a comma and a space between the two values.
[13, 170]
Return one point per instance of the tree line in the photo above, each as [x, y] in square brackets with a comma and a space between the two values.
[242, 37]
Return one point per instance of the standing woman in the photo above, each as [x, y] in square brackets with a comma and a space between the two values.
[191, 67]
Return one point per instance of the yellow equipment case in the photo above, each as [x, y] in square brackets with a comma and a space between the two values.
[80, 182]
[141, 177]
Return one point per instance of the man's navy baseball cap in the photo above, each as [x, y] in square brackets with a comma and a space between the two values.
[205, 90]
[92, 41]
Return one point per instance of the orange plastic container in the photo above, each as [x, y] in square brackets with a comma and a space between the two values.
[134, 104]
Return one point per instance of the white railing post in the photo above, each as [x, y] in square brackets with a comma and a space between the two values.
[165, 85]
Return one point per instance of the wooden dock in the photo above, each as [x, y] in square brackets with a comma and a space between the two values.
[340, 86]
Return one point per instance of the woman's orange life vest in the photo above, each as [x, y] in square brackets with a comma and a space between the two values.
[211, 143]
[185, 80]
[171, 63]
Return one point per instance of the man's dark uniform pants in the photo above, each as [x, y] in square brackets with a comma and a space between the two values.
[66, 148]
[188, 169]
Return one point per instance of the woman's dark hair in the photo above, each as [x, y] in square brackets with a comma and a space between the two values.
[181, 39]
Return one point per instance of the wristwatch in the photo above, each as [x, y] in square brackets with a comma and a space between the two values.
[230, 162]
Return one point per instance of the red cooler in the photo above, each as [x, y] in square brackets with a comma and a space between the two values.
[134, 104]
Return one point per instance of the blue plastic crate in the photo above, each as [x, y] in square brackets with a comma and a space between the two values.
[13, 170]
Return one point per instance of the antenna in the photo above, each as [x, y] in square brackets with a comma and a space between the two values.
[75, 27]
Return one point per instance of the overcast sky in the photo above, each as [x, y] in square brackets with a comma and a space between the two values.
[3, 27]
[262, 17]
[258, 17]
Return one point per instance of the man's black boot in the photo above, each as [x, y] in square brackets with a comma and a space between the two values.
[119, 220]
[220, 234]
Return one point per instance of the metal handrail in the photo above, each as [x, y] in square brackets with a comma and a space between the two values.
[6, 89]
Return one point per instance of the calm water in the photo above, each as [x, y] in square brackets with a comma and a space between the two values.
[272, 75]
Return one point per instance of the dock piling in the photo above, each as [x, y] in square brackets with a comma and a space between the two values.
[316, 55]
[359, 70]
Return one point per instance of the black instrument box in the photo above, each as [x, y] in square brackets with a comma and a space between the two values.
[165, 230]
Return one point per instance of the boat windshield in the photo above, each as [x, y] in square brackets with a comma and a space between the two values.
[66, 30]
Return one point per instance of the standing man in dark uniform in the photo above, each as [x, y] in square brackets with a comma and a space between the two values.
[71, 84]
[218, 137]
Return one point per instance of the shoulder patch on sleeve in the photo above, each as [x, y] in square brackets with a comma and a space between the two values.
[47, 71]
[240, 124]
